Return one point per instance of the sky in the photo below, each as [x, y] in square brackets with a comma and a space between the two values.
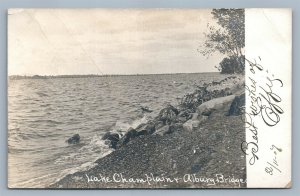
[108, 41]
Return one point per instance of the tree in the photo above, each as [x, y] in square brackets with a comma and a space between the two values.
[232, 65]
[228, 38]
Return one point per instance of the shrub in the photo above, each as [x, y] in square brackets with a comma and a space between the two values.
[233, 65]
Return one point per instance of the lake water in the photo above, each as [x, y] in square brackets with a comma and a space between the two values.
[44, 113]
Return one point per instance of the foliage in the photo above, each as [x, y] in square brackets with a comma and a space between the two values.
[232, 65]
[228, 38]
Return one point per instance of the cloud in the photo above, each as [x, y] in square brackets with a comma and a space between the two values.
[113, 41]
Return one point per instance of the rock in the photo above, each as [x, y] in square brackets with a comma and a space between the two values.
[184, 115]
[237, 105]
[181, 119]
[194, 116]
[217, 106]
[202, 118]
[175, 128]
[192, 100]
[140, 126]
[168, 114]
[146, 109]
[239, 86]
[158, 125]
[195, 168]
[163, 130]
[110, 136]
[74, 139]
[194, 123]
[190, 125]
[113, 139]
[129, 135]
[112, 143]
[228, 86]
[146, 129]
[141, 130]
[206, 113]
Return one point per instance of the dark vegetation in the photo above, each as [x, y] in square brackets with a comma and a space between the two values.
[227, 38]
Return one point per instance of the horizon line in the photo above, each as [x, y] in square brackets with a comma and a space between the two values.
[39, 75]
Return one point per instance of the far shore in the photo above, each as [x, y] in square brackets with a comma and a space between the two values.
[18, 77]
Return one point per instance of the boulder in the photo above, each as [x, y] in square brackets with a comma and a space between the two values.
[206, 113]
[183, 116]
[194, 123]
[181, 119]
[237, 105]
[175, 128]
[194, 116]
[110, 136]
[146, 109]
[237, 87]
[158, 124]
[129, 135]
[168, 114]
[190, 125]
[163, 130]
[146, 129]
[113, 139]
[202, 118]
[217, 106]
[140, 126]
[74, 139]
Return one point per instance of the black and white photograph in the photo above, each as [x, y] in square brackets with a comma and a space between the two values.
[140, 98]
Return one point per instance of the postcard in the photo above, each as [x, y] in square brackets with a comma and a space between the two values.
[149, 98]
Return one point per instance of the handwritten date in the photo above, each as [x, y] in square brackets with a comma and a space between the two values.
[273, 165]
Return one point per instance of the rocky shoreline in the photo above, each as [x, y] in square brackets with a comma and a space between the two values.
[201, 136]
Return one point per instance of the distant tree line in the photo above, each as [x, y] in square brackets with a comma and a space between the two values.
[228, 38]
[19, 77]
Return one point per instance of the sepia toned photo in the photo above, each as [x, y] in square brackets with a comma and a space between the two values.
[135, 98]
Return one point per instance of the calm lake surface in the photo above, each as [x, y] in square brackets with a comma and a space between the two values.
[44, 113]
